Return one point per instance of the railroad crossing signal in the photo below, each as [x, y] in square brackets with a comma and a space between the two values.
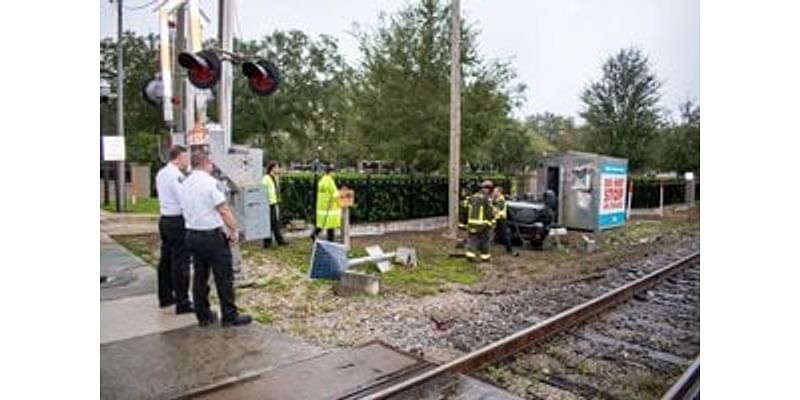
[153, 91]
[262, 76]
[204, 68]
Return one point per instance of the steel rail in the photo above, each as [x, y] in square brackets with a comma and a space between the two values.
[687, 386]
[518, 341]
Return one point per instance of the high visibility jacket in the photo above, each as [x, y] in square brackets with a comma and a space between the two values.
[480, 214]
[329, 213]
[500, 207]
[272, 190]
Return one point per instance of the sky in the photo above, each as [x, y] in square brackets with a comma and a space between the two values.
[556, 47]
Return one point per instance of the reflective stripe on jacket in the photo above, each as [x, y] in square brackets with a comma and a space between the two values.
[480, 213]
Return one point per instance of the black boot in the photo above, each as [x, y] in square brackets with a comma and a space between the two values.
[241, 319]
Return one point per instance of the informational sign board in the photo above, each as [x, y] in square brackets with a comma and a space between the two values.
[328, 260]
[113, 148]
[346, 197]
[613, 188]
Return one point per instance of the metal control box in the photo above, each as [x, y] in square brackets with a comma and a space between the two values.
[240, 169]
[591, 189]
[254, 213]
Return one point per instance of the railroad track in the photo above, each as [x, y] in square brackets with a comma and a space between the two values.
[436, 381]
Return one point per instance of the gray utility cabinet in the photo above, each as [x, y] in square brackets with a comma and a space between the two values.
[239, 175]
[591, 189]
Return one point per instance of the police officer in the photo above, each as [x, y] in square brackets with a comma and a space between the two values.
[329, 213]
[211, 228]
[173, 267]
[480, 219]
[501, 219]
[270, 181]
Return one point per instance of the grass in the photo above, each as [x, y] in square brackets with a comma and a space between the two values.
[142, 206]
[263, 316]
[436, 272]
[142, 246]
[432, 277]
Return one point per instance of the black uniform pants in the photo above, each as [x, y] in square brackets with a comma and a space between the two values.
[173, 267]
[331, 233]
[275, 226]
[212, 254]
[504, 234]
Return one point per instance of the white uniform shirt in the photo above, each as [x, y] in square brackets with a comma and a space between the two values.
[168, 185]
[199, 200]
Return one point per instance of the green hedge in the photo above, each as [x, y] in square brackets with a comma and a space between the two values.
[378, 197]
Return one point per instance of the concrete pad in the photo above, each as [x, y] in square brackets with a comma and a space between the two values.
[126, 274]
[332, 375]
[171, 364]
[138, 316]
[355, 283]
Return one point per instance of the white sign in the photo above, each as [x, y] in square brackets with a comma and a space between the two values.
[689, 176]
[113, 148]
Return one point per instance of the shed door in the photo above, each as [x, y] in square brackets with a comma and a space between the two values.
[553, 183]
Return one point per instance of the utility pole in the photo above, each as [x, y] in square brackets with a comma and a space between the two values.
[225, 95]
[120, 117]
[455, 117]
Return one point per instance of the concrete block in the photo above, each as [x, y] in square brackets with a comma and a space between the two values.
[406, 256]
[356, 283]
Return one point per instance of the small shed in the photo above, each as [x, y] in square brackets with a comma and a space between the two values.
[591, 189]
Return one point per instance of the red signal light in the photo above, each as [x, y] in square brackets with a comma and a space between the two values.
[204, 68]
[262, 77]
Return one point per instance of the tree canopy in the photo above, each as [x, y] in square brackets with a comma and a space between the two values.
[393, 104]
[402, 94]
[621, 108]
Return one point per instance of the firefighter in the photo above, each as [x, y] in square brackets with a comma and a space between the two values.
[480, 219]
[329, 213]
[502, 230]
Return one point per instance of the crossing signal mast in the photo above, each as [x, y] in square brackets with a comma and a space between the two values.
[205, 69]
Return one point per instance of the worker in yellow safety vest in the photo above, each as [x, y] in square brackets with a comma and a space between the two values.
[480, 220]
[501, 219]
[329, 212]
[270, 182]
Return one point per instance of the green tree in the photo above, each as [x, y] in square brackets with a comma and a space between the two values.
[620, 108]
[515, 147]
[309, 109]
[678, 145]
[143, 122]
[402, 91]
[559, 130]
